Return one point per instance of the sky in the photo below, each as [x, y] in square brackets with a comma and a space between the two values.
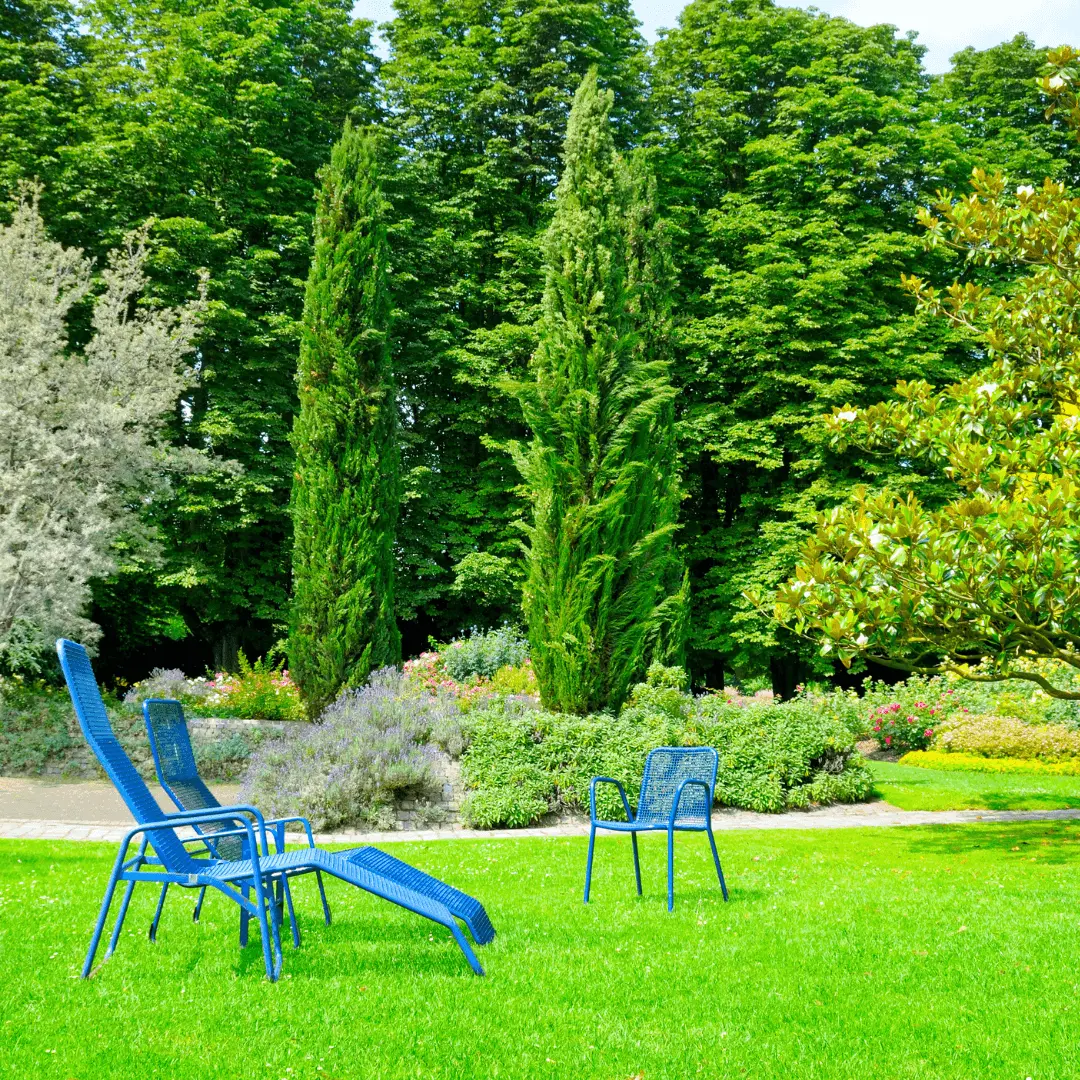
[944, 26]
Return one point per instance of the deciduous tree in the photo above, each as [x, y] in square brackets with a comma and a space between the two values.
[992, 577]
[82, 429]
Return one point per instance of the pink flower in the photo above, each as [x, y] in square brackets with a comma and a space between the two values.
[929, 733]
[888, 740]
[877, 727]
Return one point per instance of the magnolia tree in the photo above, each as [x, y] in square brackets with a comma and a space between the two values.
[986, 585]
[80, 427]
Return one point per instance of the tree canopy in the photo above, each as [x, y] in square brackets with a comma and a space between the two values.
[985, 584]
[791, 150]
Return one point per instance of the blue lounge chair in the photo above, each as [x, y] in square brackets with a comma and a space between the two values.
[259, 871]
[676, 796]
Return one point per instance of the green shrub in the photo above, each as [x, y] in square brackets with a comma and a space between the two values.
[1008, 737]
[482, 654]
[776, 757]
[522, 763]
[39, 735]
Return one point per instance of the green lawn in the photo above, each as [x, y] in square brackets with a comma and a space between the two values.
[943, 952]
[912, 788]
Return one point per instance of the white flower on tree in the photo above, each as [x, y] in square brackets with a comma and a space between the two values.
[81, 429]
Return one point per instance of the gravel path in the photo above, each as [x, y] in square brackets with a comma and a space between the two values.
[91, 810]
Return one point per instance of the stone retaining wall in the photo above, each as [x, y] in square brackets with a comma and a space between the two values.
[429, 810]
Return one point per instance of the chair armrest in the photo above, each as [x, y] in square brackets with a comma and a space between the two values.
[592, 796]
[223, 813]
[303, 821]
[678, 796]
[204, 817]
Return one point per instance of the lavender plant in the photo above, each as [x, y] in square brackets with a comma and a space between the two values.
[370, 745]
[169, 683]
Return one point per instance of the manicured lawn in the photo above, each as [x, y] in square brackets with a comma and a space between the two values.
[912, 788]
[944, 952]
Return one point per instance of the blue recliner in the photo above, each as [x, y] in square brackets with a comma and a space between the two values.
[258, 871]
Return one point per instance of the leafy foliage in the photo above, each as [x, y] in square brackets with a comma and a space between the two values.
[994, 572]
[81, 429]
[39, 736]
[212, 120]
[793, 150]
[523, 763]
[602, 590]
[346, 486]
[477, 97]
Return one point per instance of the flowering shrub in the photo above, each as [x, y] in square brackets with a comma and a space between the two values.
[259, 691]
[935, 759]
[469, 669]
[368, 747]
[911, 728]
[169, 683]
[1008, 737]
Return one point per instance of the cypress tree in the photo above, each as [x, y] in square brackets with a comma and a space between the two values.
[601, 469]
[346, 487]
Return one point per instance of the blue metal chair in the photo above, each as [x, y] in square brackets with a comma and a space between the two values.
[173, 864]
[676, 796]
[174, 763]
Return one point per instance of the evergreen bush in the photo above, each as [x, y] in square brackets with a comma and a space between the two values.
[604, 586]
[346, 490]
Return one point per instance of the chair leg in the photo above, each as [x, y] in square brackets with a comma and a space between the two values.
[322, 894]
[466, 948]
[588, 864]
[121, 915]
[292, 913]
[262, 904]
[157, 911]
[716, 859]
[275, 928]
[106, 902]
[637, 863]
[244, 918]
[670, 869]
[198, 905]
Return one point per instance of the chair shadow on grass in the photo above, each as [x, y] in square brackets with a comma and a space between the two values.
[1014, 841]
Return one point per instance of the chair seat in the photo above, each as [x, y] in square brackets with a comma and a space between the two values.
[692, 824]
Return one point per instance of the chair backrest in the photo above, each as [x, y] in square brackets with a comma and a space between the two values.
[94, 722]
[174, 762]
[665, 769]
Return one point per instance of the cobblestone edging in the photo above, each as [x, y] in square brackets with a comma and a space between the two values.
[879, 815]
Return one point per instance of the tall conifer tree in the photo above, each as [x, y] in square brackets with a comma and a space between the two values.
[601, 468]
[346, 488]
